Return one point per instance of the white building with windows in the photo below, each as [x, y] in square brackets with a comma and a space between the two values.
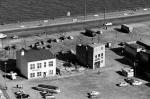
[36, 63]
[91, 55]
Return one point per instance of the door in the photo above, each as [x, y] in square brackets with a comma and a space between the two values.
[44, 74]
[97, 64]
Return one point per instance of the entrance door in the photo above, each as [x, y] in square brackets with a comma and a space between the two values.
[97, 64]
[44, 74]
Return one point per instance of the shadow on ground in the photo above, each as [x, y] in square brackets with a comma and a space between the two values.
[8, 66]
[124, 61]
[67, 56]
[120, 73]
[119, 30]
[118, 51]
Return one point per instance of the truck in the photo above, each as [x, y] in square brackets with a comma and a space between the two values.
[90, 33]
[126, 28]
[128, 72]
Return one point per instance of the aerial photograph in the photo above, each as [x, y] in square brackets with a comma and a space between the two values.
[74, 49]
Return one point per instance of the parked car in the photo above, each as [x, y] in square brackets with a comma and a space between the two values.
[108, 24]
[25, 95]
[21, 94]
[62, 38]
[15, 37]
[137, 82]
[70, 37]
[122, 84]
[49, 97]
[90, 33]
[132, 81]
[94, 93]
[2, 35]
[49, 87]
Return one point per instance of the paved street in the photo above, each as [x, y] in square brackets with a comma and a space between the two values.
[67, 20]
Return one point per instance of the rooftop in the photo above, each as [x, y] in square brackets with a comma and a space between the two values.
[138, 44]
[95, 44]
[37, 55]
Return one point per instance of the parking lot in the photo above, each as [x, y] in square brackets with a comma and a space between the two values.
[77, 87]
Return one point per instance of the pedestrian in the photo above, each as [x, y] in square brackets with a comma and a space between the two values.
[17, 86]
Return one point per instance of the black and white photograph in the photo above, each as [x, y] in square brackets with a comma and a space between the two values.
[74, 49]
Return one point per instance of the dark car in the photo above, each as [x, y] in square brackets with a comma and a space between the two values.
[62, 38]
[23, 96]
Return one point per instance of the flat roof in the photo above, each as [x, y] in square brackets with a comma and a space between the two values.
[95, 44]
[138, 44]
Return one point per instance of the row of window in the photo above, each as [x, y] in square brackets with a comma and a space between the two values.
[99, 55]
[39, 65]
[39, 74]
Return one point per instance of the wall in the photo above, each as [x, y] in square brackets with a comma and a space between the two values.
[21, 64]
[43, 69]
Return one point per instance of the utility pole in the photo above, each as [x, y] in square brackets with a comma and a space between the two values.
[98, 38]
[104, 15]
[5, 63]
[85, 13]
[105, 27]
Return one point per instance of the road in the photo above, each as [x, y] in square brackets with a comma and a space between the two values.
[78, 21]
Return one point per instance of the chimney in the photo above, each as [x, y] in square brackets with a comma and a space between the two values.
[22, 52]
[79, 44]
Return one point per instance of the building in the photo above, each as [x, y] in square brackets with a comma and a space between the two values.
[36, 63]
[133, 48]
[144, 57]
[91, 55]
[139, 54]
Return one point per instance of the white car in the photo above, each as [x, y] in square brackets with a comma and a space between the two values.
[15, 37]
[123, 84]
[136, 83]
[94, 93]
[108, 24]
[2, 35]
[49, 97]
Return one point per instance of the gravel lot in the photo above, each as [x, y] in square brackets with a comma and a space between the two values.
[77, 87]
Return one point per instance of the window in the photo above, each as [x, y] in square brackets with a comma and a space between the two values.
[102, 55]
[101, 61]
[39, 74]
[51, 72]
[39, 65]
[32, 66]
[44, 64]
[101, 48]
[32, 75]
[98, 55]
[51, 63]
[95, 56]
